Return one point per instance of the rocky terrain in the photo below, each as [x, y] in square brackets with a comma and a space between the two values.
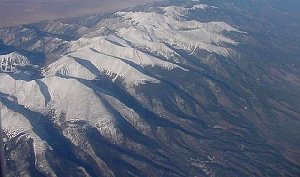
[176, 88]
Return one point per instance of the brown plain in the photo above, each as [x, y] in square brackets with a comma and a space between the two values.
[15, 12]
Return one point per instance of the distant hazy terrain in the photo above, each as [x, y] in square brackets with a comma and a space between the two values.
[14, 12]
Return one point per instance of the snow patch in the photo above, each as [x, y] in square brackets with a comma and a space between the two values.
[10, 62]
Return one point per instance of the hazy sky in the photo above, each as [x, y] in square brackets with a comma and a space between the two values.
[14, 12]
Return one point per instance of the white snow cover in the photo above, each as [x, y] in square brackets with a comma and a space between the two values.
[111, 55]
[68, 96]
[152, 30]
[9, 61]
[26, 93]
[76, 100]
[61, 97]
[67, 66]
[15, 123]
[200, 6]
[177, 11]
[118, 55]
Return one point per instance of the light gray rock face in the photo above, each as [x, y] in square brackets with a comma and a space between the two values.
[180, 88]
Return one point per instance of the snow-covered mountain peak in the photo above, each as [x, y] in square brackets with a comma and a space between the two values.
[137, 35]
[178, 11]
[152, 29]
[88, 57]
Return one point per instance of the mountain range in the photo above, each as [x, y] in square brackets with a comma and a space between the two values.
[173, 88]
